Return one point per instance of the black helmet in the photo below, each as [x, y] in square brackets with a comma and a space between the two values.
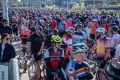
[113, 24]
[115, 28]
[79, 25]
[4, 20]
[39, 28]
[55, 31]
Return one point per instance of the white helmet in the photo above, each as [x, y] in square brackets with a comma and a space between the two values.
[80, 47]
[70, 30]
[100, 30]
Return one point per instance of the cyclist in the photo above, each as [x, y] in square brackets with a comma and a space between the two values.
[102, 49]
[7, 51]
[54, 58]
[4, 28]
[114, 40]
[116, 62]
[35, 46]
[48, 39]
[67, 45]
[79, 36]
[24, 34]
[77, 69]
[93, 29]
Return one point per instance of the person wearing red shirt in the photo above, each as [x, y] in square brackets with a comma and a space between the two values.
[54, 23]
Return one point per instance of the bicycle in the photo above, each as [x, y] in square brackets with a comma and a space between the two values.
[22, 61]
[95, 70]
[108, 72]
[31, 68]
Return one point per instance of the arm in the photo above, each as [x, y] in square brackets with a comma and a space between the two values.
[93, 48]
[115, 43]
[107, 45]
[62, 60]
[41, 48]
[47, 60]
[29, 47]
[13, 53]
[118, 63]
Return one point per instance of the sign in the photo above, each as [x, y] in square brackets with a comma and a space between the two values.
[3, 72]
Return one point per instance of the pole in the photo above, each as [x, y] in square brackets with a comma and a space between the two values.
[14, 69]
[5, 9]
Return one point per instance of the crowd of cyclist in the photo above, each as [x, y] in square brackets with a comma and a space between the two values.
[62, 34]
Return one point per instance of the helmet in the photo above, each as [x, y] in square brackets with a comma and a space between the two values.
[113, 24]
[80, 47]
[115, 28]
[55, 31]
[56, 39]
[4, 20]
[39, 28]
[100, 30]
[70, 30]
[79, 25]
[94, 20]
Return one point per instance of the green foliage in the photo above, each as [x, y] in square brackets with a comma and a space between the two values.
[79, 6]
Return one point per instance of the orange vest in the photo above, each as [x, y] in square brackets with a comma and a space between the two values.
[25, 33]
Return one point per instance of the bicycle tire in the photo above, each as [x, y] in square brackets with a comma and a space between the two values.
[21, 62]
[108, 73]
[31, 70]
[98, 76]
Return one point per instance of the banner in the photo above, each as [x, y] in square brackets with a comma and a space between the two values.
[3, 72]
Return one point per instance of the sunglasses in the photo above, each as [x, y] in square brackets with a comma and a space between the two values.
[5, 23]
[7, 38]
[58, 42]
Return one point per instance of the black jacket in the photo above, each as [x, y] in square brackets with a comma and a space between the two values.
[9, 53]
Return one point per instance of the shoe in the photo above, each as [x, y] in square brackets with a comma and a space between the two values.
[36, 75]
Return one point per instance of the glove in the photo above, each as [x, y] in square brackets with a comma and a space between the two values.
[112, 49]
[103, 63]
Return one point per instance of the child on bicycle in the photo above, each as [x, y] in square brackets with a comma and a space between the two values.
[77, 69]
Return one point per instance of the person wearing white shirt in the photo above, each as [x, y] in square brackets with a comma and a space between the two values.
[115, 40]
[116, 62]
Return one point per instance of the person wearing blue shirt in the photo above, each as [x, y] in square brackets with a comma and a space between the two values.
[78, 69]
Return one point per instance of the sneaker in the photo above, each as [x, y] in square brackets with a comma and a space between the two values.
[36, 75]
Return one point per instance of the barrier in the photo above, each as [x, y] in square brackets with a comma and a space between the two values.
[14, 69]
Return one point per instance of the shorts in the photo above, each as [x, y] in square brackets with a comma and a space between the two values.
[99, 63]
[92, 36]
[112, 52]
[24, 41]
[37, 58]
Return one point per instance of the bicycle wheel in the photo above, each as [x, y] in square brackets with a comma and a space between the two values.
[43, 69]
[21, 62]
[31, 71]
[97, 77]
[109, 72]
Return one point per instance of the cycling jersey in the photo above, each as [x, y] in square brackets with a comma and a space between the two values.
[55, 58]
[102, 45]
[76, 71]
[79, 37]
[67, 43]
